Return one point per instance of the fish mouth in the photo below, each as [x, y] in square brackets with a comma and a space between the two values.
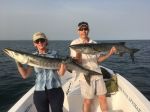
[7, 51]
[73, 47]
[70, 46]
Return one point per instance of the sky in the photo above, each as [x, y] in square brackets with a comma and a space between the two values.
[58, 19]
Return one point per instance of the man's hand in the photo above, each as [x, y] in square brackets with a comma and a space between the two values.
[112, 51]
[78, 57]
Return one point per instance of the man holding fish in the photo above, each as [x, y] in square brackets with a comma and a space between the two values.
[97, 86]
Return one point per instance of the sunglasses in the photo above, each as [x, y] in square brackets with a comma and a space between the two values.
[42, 40]
[85, 29]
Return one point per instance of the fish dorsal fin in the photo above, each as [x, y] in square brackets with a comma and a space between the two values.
[121, 54]
[122, 43]
[87, 78]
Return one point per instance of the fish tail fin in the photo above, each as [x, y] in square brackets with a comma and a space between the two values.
[122, 43]
[89, 74]
[132, 54]
[135, 50]
[88, 79]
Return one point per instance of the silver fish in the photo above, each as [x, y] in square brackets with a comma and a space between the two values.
[49, 63]
[94, 48]
[33, 60]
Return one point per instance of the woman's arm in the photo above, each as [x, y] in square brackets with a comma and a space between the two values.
[25, 72]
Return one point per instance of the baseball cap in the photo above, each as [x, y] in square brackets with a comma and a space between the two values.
[38, 35]
[83, 24]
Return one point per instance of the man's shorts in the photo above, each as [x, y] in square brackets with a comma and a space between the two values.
[97, 87]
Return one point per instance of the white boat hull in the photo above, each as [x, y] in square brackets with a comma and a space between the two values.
[126, 99]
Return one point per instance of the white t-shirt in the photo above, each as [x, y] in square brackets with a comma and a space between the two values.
[88, 61]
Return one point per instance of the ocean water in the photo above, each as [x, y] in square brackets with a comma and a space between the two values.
[13, 87]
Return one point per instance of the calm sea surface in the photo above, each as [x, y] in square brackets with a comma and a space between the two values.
[13, 87]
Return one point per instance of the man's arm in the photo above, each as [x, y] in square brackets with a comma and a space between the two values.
[75, 55]
[111, 52]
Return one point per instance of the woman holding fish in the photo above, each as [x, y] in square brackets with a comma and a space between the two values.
[47, 85]
[97, 85]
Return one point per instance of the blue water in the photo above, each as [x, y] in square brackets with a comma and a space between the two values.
[13, 87]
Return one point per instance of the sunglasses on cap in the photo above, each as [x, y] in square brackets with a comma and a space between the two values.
[85, 29]
[42, 40]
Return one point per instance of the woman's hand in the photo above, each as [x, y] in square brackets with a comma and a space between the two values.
[62, 69]
[19, 64]
[25, 72]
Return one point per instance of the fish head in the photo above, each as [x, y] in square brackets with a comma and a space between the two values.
[16, 55]
[84, 48]
[77, 48]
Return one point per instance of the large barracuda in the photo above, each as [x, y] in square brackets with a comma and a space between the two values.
[49, 63]
[94, 48]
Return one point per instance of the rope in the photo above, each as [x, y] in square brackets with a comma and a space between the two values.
[67, 92]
